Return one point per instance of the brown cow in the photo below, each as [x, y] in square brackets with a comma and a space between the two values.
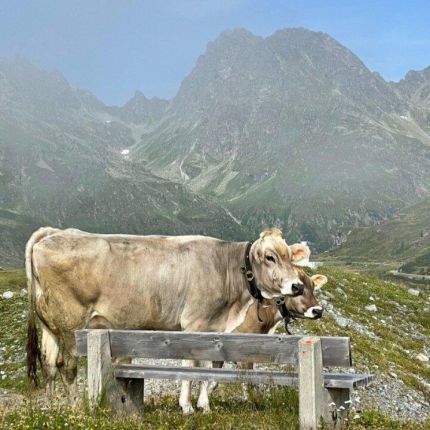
[266, 321]
[194, 283]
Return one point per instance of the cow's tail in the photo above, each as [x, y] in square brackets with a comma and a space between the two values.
[33, 349]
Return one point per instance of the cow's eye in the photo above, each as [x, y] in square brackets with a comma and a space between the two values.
[270, 258]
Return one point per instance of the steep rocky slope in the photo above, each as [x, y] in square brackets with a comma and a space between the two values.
[64, 162]
[292, 129]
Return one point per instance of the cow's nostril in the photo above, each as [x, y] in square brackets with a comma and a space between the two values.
[297, 289]
[317, 312]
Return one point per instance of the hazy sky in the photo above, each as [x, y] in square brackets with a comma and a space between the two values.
[113, 47]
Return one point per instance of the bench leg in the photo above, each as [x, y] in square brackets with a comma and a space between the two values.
[122, 396]
[125, 396]
[337, 401]
[311, 383]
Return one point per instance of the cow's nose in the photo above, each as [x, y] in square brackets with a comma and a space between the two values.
[317, 313]
[297, 289]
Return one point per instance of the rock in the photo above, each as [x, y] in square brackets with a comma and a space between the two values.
[422, 357]
[413, 292]
[23, 292]
[393, 375]
[7, 295]
[341, 321]
[371, 298]
[341, 292]
[371, 308]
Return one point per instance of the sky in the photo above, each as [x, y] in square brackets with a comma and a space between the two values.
[115, 47]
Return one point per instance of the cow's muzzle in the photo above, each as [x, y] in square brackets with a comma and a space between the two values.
[317, 313]
[297, 289]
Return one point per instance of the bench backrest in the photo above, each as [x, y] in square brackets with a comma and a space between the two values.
[243, 347]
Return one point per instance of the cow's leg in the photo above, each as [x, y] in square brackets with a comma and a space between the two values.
[68, 372]
[213, 385]
[245, 387]
[203, 401]
[185, 396]
[49, 355]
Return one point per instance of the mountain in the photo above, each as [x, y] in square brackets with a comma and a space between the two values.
[140, 109]
[415, 88]
[293, 130]
[64, 162]
[290, 130]
[403, 240]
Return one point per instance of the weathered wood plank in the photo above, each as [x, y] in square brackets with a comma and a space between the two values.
[98, 364]
[257, 348]
[311, 384]
[139, 371]
[123, 396]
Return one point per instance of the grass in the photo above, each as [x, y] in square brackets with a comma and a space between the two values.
[274, 409]
[13, 314]
[401, 327]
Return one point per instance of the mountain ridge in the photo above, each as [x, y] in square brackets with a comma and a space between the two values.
[290, 130]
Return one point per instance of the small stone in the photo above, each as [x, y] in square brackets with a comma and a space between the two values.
[413, 292]
[23, 292]
[341, 292]
[422, 357]
[341, 322]
[371, 298]
[393, 375]
[371, 308]
[7, 295]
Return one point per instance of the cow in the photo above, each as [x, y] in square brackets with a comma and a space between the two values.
[262, 320]
[195, 283]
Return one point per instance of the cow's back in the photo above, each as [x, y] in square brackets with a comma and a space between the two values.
[132, 281]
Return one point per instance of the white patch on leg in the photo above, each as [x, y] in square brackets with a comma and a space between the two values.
[49, 349]
[185, 396]
[203, 401]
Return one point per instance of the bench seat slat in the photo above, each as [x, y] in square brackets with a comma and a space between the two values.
[257, 348]
[137, 371]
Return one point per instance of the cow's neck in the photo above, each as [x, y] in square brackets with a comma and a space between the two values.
[239, 297]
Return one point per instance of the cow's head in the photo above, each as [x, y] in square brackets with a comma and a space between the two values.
[306, 305]
[273, 263]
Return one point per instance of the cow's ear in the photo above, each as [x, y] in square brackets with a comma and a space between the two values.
[319, 281]
[300, 254]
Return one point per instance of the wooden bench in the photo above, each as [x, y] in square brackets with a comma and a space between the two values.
[121, 386]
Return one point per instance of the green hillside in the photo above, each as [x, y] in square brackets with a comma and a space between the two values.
[384, 343]
[402, 242]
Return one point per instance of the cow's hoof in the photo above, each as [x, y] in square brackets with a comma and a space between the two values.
[187, 409]
[205, 409]
[204, 406]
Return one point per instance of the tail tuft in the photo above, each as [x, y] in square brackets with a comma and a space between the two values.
[33, 352]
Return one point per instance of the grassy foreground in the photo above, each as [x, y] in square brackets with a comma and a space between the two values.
[274, 409]
[400, 328]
